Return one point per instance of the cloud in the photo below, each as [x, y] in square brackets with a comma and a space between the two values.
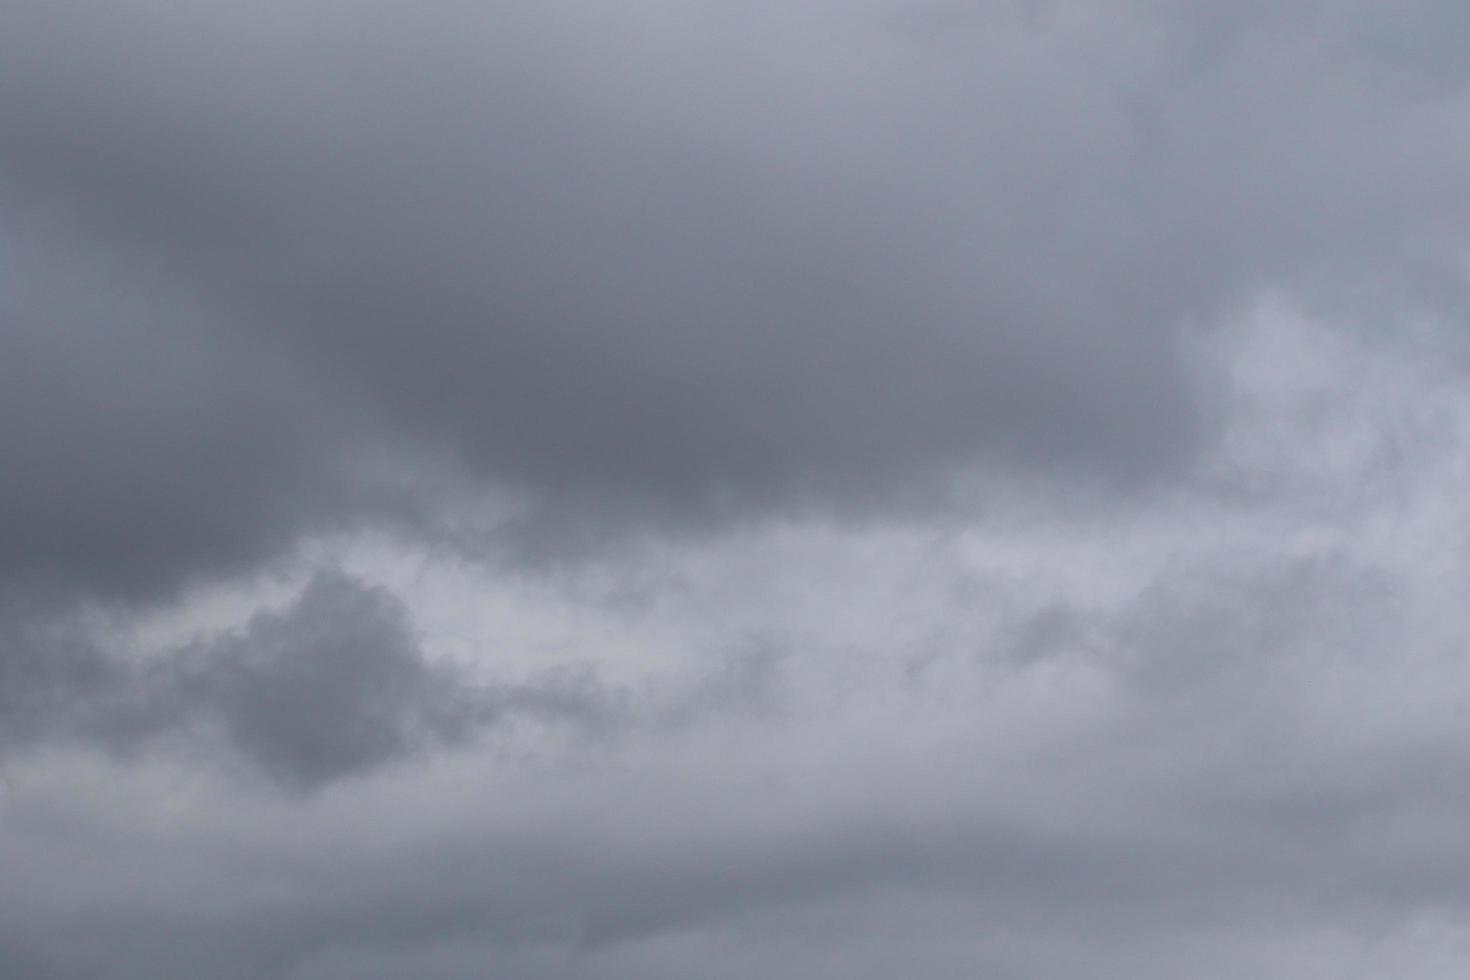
[330, 687]
[1033, 433]
[1220, 738]
[675, 264]
[49, 672]
[334, 686]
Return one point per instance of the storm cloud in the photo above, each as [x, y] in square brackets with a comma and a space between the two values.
[681, 488]
[674, 262]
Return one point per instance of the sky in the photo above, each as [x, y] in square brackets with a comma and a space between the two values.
[666, 489]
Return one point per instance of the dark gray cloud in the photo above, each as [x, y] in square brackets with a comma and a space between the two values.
[333, 686]
[330, 687]
[137, 455]
[673, 264]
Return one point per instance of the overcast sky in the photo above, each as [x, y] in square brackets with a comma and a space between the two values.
[765, 490]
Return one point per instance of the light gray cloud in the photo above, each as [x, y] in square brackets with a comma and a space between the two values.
[49, 672]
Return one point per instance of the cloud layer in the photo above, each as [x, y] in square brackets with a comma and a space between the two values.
[690, 489]
[678, 263]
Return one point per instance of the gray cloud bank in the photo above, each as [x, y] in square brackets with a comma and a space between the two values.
[1173, 289]
[672, 262]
